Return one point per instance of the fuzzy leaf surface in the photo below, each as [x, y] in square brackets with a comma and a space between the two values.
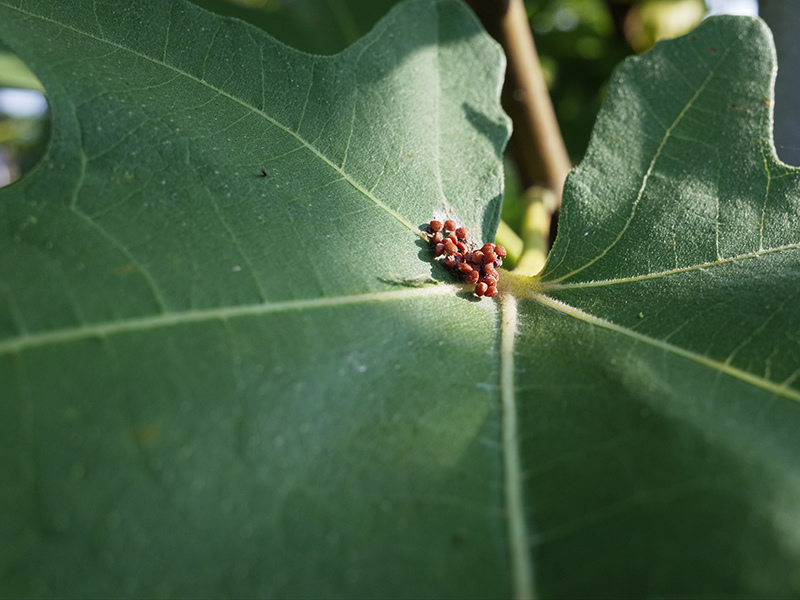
[219, 382]
[657, 373]
[222, 382]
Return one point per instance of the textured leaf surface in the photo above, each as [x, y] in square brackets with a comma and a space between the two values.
[657, 377]
[218, 383]
[215, 382]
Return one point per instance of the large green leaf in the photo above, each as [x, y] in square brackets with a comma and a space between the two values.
[657, 372]
[220, 383]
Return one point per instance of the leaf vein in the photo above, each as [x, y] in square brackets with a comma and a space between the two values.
[722, 368]
[646, 177]
[314, 150]
[157, 296]
[518, 539]
[85, 331]
[556, 285]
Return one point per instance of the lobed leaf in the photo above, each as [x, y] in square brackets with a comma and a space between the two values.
[222, 381]
[657, 372]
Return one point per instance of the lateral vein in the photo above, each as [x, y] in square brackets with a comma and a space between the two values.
[648, 173]
[776, 388]
[556, 285]
[273, 121]
[172, 319]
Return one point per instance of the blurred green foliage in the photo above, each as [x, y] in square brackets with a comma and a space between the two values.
[314, 26]
[578, 47]
[23, 139]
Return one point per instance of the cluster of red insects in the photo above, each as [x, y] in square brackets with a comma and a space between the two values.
[475, 266]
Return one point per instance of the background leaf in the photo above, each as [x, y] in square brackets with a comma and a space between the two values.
[307, 25]
[218, 383]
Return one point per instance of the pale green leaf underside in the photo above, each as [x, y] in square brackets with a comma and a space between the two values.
[657, 374]
[690, 239]
[217, 383]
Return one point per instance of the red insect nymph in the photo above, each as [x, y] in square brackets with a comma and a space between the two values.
[477, 267]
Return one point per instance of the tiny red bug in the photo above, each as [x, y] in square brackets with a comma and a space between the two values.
[465, 268]
[476, 267]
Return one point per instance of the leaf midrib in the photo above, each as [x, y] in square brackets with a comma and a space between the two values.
[224, 94]
[519, 544]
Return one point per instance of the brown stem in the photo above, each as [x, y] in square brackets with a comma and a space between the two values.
[536, 146]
